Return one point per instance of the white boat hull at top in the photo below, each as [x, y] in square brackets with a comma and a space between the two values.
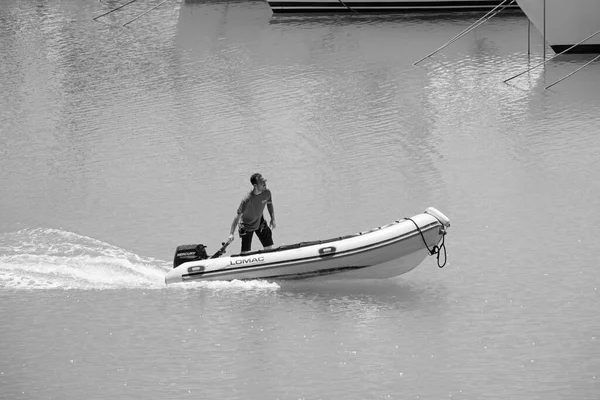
[388, 6]
[567, 22]
[380, 253]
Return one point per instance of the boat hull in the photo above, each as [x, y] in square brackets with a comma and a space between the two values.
[566, 23]
[381, 253]
[383, 6]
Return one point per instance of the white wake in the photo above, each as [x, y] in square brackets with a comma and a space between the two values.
[55, 259]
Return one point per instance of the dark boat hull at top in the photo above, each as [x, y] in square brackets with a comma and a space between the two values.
[382, 6]
[567, 26]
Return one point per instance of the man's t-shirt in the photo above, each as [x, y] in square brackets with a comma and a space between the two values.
[252, 207]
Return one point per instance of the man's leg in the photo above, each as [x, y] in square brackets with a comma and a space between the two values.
[265, 235]
[246, 237]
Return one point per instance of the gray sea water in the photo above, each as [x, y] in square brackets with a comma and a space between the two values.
[125, 136]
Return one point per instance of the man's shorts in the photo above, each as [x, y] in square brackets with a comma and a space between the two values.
[263, 232]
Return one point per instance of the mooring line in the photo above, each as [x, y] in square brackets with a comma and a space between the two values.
[144, 13]
[553, 57]
[348, 7]
[489, 15]
[113, 10]
[572, 73]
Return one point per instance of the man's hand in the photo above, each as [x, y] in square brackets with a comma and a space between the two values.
[272, 224]
[230, 239]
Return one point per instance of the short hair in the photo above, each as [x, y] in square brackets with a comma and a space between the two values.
[254, 178]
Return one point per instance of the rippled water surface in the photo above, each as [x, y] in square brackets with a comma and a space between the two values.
[124, 135]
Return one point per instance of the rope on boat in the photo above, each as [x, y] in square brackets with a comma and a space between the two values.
[435, 249]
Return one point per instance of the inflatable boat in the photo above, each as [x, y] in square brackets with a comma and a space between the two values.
[384, 252]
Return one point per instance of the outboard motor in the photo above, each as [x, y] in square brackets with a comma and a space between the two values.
[189, 252]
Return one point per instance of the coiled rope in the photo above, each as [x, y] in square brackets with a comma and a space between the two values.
[435, 249]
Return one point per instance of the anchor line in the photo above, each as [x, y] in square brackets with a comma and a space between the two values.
[435, 249]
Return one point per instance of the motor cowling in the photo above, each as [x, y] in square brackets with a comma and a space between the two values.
[189, 252]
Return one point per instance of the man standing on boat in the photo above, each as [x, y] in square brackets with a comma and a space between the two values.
[250, 215]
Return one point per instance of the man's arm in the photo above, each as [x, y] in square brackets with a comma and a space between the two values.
[272, 224]
[233, 226]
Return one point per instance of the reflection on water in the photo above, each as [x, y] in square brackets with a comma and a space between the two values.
[371, 296]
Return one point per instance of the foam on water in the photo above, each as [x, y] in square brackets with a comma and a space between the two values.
[235, 285]
[55, 259]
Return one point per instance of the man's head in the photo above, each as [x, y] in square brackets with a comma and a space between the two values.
[258, 181]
